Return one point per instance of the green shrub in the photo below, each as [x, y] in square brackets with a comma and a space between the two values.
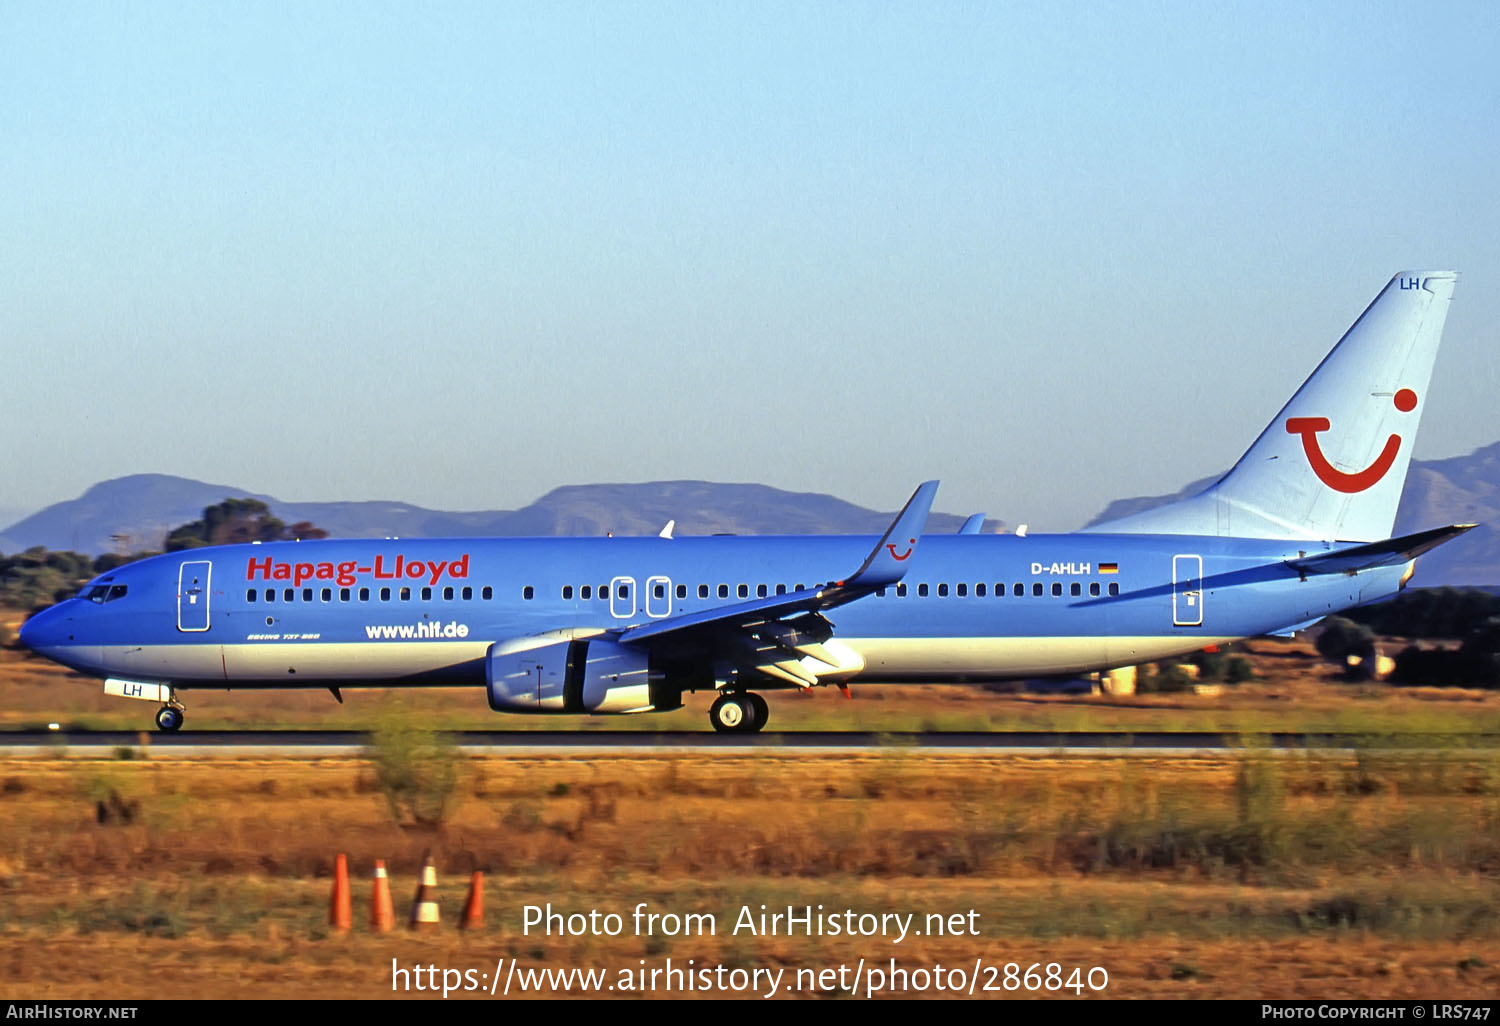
[416, 768]
[1237, 670]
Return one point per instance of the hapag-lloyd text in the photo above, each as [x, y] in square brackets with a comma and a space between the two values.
[347, 573]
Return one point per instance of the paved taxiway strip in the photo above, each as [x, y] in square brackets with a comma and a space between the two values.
[338, 744]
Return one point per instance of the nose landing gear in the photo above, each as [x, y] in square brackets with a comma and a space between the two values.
[741, 712]
[170, 717]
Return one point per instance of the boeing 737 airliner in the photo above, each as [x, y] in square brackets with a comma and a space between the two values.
[1298, 529]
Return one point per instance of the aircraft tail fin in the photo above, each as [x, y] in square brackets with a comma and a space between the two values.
[1332, 465]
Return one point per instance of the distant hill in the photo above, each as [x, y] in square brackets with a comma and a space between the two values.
[134, 513]
[1460, 490]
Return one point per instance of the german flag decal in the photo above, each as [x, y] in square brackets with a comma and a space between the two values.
[1109, 568]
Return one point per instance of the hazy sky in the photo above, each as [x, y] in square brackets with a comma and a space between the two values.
[461, 254]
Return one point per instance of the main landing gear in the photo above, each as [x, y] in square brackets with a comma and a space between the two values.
[742, 712]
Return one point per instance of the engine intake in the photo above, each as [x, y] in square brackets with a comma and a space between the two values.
[576, 675]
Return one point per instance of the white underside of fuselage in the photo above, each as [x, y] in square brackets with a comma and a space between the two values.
[320, 664]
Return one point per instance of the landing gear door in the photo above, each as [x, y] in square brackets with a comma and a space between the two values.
[1187, 591]
[192, 595]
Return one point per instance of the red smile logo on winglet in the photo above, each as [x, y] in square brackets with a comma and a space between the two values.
[901, 558]
[1308, 427]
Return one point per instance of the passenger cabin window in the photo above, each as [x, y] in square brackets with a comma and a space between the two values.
[289, 595]
[1036, 589]
[943, 590]
[567, 591]
[963, 589]
[723, 591]
[781, 589]
[343, 594]
[488, 593]
[703, 591]
[327, 595]
[527, 592]
[448, 594]
[467, 593]
[901, 590]
[659, 590]
[1018, 589]
[1114, 588]
[922, 590]
[364, 594]
[1057, 589]
[306, 594]
[585, 592]
[385, 594]
[1094, 588]
[426, 594]
[1076, 589]
[250, 595]
[405, 594]
[743, 591]
[979, 590]
[682, 591]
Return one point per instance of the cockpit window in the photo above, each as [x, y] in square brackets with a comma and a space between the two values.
[102, 593]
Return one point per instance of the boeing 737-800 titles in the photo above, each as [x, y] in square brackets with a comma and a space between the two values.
[1298, 529]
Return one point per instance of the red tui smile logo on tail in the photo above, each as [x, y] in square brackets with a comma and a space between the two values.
[1308, 427]
[901, 558]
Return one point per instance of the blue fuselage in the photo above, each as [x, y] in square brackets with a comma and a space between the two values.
[970, 607]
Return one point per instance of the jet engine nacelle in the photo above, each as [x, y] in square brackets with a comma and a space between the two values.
[562, 673]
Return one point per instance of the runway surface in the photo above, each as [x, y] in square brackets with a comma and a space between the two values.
[316, 743]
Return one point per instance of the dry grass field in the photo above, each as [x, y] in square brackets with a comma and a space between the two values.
[1246, 874]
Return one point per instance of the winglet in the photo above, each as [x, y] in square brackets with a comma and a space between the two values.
[973, 525]
[887, 563]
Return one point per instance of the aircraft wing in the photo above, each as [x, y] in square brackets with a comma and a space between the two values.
[1391, 552]
[775, 633]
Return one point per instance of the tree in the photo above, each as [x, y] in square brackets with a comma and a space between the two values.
[1348, 645]
[236, 521]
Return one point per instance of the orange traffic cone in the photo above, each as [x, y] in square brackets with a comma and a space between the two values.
[473, 915]
[424, 907]
[340, 916]
[382, 912]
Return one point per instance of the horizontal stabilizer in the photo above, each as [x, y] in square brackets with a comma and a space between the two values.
[1391, 552]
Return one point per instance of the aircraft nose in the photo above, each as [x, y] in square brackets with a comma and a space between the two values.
[39, 630]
